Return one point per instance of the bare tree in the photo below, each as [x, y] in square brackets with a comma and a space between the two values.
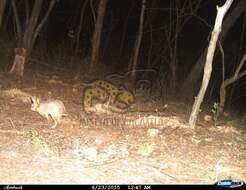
[80, 26]
[180, 13]
[191, 80]
[221, 11]
[96, 41]
[27, 32]
[133, 64]
[18, 24]
[225, 83]
[124, 28]
[2, 8]
[177, 17]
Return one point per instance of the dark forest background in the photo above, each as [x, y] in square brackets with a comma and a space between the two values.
[175, 37]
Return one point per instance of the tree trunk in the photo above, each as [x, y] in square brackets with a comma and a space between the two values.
[2, 8]
[133, 65]
[221, 11]
[17, 22]
[29, 31]
[173, 34]
[96, 41]
[32, 29]
[19, 62]
[41, 24]
[188, 87]
[80, 27]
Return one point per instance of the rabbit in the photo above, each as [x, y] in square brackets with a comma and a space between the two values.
[54, 109]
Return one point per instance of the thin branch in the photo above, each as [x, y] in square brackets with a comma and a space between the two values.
[17, 19]
[93, 11]
[229, 81]
[138, 40]
[39, 27]
[32, 23]
[27, 10]
[2, 8]
[240, 65]
[80, 25]
[223, 61]
[242, 74]
[237, 75]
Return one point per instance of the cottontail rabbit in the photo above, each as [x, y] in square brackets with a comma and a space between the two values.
[54, 109]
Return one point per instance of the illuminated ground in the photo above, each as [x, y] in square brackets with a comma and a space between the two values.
[139, 147]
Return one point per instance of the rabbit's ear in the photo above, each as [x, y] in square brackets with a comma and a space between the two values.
[32, 99]
[37, 100]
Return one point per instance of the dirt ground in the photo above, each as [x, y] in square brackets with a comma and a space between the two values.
[152, 144]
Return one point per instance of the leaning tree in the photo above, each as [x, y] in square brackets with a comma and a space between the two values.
[221, 11]
[188, 86]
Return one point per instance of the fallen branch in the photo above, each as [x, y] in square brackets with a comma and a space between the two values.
[11, 131]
